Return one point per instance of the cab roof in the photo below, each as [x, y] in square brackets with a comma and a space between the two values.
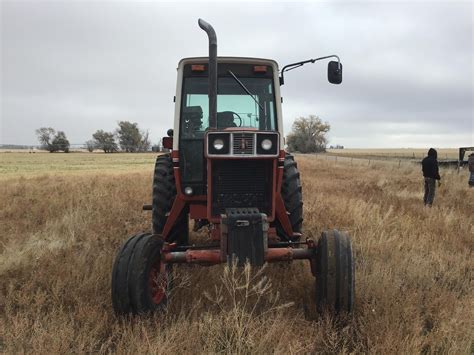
[248, 60]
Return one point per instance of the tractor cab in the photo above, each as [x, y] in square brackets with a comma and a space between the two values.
[247, 122]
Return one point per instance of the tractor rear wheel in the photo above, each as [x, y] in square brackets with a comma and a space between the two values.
[164, 194]
[140, 279]
[292, 196]
[335, 285]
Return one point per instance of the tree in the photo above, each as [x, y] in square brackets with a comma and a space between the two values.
[45, 137]
[105, 141]
[145, 143]
[60, 142]
[308, 135]
[51, 140]
[90, 145]
[129, 136]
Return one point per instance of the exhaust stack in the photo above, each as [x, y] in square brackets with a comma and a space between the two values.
[212, 93]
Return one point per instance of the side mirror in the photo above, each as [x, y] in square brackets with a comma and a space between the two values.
[335, 72]
[170, 132]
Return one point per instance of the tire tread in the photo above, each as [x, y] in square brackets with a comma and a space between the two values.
[164, 194]
[292, 195]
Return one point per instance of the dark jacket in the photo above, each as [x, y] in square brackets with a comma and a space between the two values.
[430, 165]
[470, 163]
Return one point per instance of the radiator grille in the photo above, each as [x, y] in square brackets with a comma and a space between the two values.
[241, 183]
[243, 143]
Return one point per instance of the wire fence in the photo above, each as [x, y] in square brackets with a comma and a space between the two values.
[442, 155]
[381, 160]
[368, 161]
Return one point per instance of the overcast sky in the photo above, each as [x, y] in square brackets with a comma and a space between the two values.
[82, 66]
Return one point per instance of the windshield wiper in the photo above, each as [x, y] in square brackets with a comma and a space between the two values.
[250, 94]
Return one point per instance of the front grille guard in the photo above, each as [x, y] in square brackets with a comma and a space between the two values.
[236, 148]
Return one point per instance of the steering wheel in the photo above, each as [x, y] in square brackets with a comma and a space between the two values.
[238, 116]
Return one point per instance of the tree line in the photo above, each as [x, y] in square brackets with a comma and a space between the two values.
[128, 137]
[308, 135]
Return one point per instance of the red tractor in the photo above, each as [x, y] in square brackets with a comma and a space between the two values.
[228, 171]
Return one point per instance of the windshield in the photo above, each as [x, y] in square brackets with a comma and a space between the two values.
[235, 108]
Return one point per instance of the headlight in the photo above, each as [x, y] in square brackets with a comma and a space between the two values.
[218, 144]
[188, 190]
[266, 144]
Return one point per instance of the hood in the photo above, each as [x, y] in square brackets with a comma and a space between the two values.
[433, 153]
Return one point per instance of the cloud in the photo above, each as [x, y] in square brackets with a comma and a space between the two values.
[82, 66]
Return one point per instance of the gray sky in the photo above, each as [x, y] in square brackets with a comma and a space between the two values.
[82, 66]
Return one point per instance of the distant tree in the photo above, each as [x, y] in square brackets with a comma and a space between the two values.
[51, 140]
[129, 136]
[105, 141]
[90, 145]
[308, 135]
[145, 143]
[45, 136]
[60, 142]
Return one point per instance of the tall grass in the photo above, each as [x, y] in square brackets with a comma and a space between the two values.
[414, 282]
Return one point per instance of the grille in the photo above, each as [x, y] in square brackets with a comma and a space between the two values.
[240, 184]
[243, 143]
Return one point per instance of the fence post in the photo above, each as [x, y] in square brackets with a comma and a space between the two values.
[399, 161]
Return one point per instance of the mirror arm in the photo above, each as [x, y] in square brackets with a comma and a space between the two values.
[292, 66]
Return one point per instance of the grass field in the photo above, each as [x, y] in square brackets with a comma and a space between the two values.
[63, 217]
[406, 153]
[14, 164]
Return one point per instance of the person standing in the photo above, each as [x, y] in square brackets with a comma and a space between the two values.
[431, 174]
[470, 164]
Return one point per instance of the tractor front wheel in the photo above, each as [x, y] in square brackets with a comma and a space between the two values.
[335, 285]
[140, 278]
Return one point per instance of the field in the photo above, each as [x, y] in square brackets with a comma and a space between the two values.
[16, 164]
[63, 217]
[406, 153]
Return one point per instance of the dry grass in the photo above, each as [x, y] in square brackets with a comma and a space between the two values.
[61, 229]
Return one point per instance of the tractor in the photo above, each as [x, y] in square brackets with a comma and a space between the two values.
[228, 171]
